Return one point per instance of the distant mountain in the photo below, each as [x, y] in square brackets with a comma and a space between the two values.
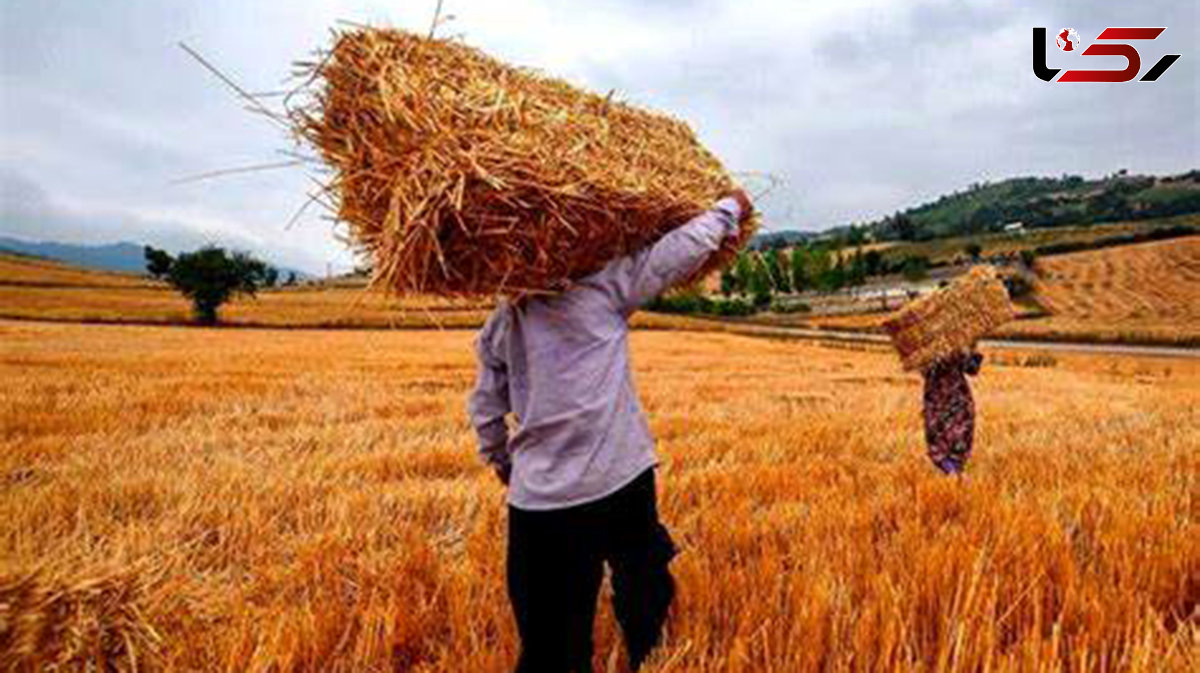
[124, 256]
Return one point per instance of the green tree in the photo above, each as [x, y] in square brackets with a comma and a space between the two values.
[904, 227]
[835, 277]
[983, 219]
[728, 281]
[800, 277]
[874, 263]
[777, 266]
[743, 271]
[819, 267]
[158, 262]
[271, 278]
[856, 275]
[856, 235]
[210, 276]
[915, 268]
[760, 283]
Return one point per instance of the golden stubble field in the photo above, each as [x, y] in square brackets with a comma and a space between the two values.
[1151, 289]
[255, 500]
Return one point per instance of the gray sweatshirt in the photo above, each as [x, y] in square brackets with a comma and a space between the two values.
[560, 364]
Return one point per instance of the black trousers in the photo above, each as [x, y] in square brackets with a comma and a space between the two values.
[556, 562]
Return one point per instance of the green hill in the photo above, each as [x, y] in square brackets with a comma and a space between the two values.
[1040, 202]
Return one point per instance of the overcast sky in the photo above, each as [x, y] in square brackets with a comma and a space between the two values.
[859, 107]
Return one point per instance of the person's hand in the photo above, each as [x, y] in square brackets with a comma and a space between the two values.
[744, 205]
[503, 472]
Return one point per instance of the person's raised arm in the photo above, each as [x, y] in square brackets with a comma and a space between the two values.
[638, 278]
[489, 403]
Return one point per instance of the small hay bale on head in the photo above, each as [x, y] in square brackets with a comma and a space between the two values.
[950, 320]
[461, 175]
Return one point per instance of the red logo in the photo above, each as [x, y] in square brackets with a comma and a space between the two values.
[1068, 40]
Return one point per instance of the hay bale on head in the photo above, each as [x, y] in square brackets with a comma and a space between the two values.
[461, 175]
[950, 320]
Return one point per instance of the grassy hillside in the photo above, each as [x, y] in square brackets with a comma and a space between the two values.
[1045, 202]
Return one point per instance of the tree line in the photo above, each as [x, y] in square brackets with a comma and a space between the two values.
[762, 274]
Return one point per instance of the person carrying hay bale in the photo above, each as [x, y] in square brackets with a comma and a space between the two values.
[937, 335]
[462, 176]
[579, 466]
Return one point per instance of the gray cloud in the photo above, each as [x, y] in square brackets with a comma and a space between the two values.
[860, 107]
[29, 212]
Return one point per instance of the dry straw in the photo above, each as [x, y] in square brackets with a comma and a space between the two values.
[951, 319]
[461, 175]
[92, 621]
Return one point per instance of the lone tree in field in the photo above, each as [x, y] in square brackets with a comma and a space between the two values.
[158, 262]
[210, 276]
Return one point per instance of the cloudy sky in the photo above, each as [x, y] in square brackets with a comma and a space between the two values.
[859, 107]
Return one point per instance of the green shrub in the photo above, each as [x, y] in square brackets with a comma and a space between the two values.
[694, 303]
[732, 308]
[781, 306]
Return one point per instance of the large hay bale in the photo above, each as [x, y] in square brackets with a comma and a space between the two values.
[461, 175]
[951, 319]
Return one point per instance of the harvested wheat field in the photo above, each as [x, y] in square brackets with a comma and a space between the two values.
[1150, 289]
[1144, 293]
[250, 500]
[301, 307]
[47, 291]
[26, 271]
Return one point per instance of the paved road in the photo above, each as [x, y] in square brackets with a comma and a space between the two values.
[1059, 346]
